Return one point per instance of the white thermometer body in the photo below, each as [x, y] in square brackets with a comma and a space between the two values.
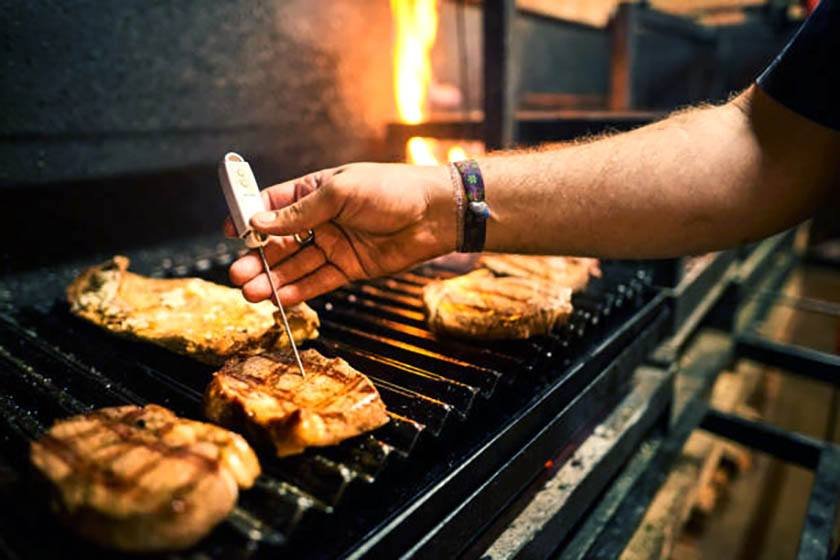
[243, 198]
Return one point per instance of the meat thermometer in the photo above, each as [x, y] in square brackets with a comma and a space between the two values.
[244, 200]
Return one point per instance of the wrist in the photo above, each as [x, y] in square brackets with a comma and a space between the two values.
[442, 208]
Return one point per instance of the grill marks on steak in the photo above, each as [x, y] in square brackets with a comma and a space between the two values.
[266, 397]
[481, 305]
[190, 316]
[142, 479]
[571, 272]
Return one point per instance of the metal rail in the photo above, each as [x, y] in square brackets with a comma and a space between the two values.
[609, 527]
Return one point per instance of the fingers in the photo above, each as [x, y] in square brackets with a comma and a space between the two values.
[289, 192]
[304, 262]
[302, 205]
[286, 193]
[248, 267]
[325, 279]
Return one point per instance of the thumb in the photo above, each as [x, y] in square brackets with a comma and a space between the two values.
[314, 209]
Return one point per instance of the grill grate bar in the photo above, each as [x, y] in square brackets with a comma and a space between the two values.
[41, 385]
[433, 415]
[395, 285]
[119, 358]
[67, 361]
[464, 372]
[380, 295]
[343, 297]
[424, 338]
[401, 433]
[434, 389]
[19, 420]
[253, 528]
[411, 277]
[368, 456]
[385, 296]
[315, 474]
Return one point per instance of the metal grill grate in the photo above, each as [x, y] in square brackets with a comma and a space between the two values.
[437, 390]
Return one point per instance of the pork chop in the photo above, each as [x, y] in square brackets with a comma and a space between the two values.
[569, 272]
[190, 316]
[482, 305]
[141, 479]
[266, 397]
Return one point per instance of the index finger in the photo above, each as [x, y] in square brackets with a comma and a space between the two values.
[286, 193]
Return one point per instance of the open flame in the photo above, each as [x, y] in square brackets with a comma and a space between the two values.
[416, 23]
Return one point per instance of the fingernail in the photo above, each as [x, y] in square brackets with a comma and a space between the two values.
[264, 218]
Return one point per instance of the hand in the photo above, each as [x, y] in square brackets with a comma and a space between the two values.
[369, 219]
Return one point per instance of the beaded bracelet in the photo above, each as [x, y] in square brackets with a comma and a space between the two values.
[458, 196]
[476, 212]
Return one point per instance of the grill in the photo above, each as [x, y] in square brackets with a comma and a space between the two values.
[471, 424]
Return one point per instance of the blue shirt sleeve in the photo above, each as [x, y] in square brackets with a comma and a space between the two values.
[805, 77]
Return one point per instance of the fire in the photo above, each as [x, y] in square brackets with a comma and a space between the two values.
[416, 26]
[416, 23]
[421, 151]
[456, 153]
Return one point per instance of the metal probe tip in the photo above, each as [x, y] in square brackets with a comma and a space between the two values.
[282, 311]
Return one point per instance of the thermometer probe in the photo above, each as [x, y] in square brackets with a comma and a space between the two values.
[244, 200]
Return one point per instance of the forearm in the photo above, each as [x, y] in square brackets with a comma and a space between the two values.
[703, 179]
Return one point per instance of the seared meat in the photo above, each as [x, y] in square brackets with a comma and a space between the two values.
[570, 272]
[266, 397]
[142, 479]
[481, 305]
[190, 316]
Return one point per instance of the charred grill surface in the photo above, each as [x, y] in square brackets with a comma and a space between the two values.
[447, 399]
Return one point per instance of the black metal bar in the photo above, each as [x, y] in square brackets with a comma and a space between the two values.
[806, 362]
[816, 540]
[792, 447]
[513, 461]
[621, 58]
[693, 302]
[621, 527]
[762, 260]
[497, 26]
[588, 532]
[788, 446]
[629, 425]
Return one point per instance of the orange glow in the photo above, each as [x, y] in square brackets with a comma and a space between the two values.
[416, 23]
[456, 153]
[421, 151]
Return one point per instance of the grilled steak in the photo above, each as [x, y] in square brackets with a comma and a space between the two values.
[190, 316]
[266, 397]
[481, 305]
[142, 479]
[571, 272]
